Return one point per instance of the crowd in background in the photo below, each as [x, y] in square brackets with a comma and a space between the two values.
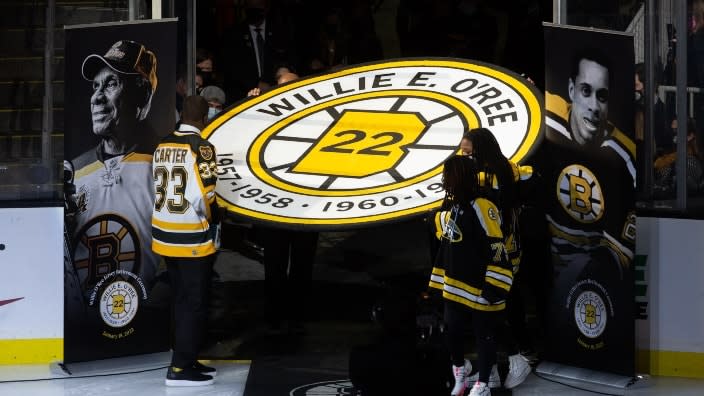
[308, 37]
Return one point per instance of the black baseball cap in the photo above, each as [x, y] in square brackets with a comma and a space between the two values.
[125, 57]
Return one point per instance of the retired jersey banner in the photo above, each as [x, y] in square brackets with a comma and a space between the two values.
[120, 84]
[587, 164]
[365, 144]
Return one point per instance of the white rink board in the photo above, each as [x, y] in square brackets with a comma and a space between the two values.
[32, 269]
[675, 279]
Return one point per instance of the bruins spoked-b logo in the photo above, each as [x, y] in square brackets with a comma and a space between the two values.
[579, 194]
[105, 244]
[367, 143]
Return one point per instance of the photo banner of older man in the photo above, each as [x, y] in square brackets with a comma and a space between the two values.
[587, 161]
[120, 99]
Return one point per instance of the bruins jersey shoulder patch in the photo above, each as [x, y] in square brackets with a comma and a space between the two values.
[488, 216]
[206, 152]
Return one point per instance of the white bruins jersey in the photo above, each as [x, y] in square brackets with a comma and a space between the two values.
[114, 199]
[185, 173]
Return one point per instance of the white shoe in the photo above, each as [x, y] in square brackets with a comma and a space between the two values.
[480, 389]
[494, 379]
[518, 370]
[460, 374]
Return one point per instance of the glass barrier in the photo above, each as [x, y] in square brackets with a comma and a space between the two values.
[32, 139]
[656, 123]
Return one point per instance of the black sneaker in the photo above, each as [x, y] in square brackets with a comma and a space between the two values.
[186, 377]
[203, 369]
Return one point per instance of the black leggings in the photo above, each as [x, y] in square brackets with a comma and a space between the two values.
[484, 326]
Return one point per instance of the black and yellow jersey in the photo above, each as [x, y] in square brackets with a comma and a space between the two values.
[185, 173]
[523, 177]
[471, 267]
[592, 199]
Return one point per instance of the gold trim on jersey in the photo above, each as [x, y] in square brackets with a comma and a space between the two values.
[499, 277]
[138, 157]
[444, 226]
[203, 190]
[488, 217]
[500, 270]
[557, 105]
[460, 292]
[624, 141]
[625, 255]
[169, 226]
[200, 250]
[576, 240]
[88, 169]
[520, 172]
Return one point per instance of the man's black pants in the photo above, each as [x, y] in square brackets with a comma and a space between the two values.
[190, 285]
[288, 271]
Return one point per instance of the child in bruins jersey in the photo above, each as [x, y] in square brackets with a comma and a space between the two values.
[471, 270]
[509, 185]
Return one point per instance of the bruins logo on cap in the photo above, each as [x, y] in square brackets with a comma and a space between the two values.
[365, 144]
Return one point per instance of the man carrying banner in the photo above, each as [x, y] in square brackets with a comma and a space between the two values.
[184, 229]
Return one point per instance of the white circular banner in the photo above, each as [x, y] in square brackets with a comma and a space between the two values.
[365, 144]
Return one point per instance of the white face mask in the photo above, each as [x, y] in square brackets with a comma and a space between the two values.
[212, 112]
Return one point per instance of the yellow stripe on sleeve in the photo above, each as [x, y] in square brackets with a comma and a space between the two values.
[183, 251]
[500, 270]
[498, 283]
[168, 226]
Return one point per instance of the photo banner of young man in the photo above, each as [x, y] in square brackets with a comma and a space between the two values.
[587, 163]
[120, 99]
[365, 145]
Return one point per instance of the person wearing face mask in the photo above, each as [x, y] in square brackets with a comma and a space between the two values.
[216, 100]
[205, 73]
[251, 50]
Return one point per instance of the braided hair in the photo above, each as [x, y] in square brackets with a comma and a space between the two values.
[491, 161]
[460, 179]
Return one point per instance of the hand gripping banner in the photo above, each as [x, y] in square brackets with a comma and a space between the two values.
[365, 144]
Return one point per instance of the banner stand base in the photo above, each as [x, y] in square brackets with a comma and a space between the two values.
[121, 365]
[590, 380]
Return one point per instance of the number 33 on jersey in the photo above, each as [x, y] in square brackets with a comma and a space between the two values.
[185, 173]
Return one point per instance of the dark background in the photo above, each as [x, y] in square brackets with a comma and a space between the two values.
[97, 39]
[618, 47]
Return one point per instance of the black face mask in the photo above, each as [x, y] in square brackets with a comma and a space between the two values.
[254, 16]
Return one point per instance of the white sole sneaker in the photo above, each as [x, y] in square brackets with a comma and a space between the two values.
[494, 379]
[170, 382]
[517, 372]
